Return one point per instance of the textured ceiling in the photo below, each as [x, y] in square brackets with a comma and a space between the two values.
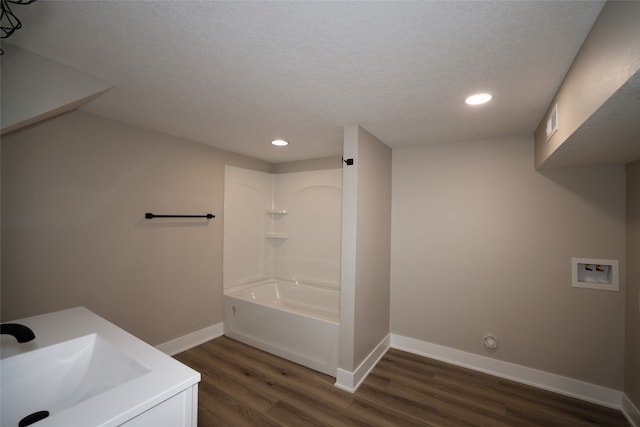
[237, 74]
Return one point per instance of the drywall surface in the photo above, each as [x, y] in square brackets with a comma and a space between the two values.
[610, 136]
[609, 57]
[632, 325]
[35, 88]
[75, 189]
[308, 165]
[482, 244]
[366, 232]
[373, 252]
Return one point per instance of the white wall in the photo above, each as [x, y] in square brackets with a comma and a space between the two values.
[75, 189]
[482, 243]
[364, 304]
[35, 88]
[632, 312]
[373, 251]
[608, 58]
[312, 223]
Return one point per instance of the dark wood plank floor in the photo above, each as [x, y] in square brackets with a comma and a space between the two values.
[243, 386]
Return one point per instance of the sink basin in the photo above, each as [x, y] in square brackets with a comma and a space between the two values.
[59, 376]
[82, 370]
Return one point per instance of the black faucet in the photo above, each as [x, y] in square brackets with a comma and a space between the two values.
[20, 332]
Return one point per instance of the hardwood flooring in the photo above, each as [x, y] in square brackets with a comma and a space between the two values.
[243, 386]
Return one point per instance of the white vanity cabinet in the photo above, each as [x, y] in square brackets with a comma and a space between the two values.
[180, 410]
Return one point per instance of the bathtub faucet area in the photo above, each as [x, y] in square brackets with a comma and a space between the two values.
[19, 332]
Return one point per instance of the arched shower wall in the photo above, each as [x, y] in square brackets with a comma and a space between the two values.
[312, 251]
[282, 226]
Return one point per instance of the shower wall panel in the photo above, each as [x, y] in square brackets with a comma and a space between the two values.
[313, 201]
[246, 255]
[285, 226]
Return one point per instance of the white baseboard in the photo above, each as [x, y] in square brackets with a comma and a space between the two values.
[350, 381]
[522, 374]
[630, 411]
[191, 340]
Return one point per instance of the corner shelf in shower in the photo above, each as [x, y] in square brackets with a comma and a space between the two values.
[277, 236]
[277, 211]
[275, 215]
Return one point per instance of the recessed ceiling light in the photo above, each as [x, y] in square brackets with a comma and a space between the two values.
[478, 98]
[279, 142]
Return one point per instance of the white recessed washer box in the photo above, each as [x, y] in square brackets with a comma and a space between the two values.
[595, 273]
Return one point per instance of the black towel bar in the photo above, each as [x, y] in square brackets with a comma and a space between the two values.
[149, 215]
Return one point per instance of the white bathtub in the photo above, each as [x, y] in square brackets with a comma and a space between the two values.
[299, 322]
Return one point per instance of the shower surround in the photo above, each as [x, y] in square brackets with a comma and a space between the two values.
[282, 237]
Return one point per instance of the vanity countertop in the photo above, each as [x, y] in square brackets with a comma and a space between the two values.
[163, 376]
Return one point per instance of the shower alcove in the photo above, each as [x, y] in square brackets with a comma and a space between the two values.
[281, 263]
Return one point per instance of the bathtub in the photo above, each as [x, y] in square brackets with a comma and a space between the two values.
[297, 321]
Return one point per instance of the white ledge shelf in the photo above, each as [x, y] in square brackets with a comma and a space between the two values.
[277, 236]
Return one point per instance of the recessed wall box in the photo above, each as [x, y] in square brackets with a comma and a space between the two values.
[595, 273]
